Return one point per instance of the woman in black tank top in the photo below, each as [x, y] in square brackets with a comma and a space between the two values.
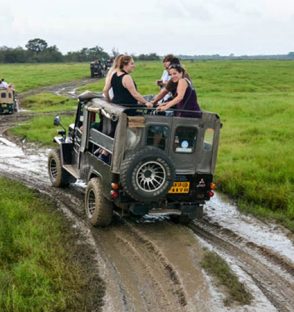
[123, 86]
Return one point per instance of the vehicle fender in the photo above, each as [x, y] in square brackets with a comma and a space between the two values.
[58, 140]
[93, 174]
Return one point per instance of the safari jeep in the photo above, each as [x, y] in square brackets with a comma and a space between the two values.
[96, 69]
[153, 164]
[7, 101]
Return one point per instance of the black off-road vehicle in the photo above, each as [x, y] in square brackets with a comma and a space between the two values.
[97, 69]
[137, 162]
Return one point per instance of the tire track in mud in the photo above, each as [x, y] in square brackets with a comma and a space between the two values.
[148, 278]
[270, 273]
[66, 89]
[139, 271]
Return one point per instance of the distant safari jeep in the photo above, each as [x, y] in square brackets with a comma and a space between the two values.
[97, 69]
[8, 102]
[135, 161]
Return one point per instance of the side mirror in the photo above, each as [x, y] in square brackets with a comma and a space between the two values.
[56, 121]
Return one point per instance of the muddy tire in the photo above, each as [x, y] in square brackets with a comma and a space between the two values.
[58, 176]
[99, 210]
[147, 174]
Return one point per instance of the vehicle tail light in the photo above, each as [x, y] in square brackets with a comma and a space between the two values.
[210, 193]
[114, 186]
[114, 194]
[212, 186]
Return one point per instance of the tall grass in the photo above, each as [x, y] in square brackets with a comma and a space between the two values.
[39, 270]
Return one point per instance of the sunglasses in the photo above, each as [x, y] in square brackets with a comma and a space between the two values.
[174, 66]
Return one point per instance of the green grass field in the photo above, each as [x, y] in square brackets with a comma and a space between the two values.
[28, 76]
[41, 268]
[255, 100]
[46, 130]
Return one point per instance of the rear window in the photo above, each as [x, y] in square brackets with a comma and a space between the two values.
[185, 140]
[3, 95]
[208, 139]
[157, 136]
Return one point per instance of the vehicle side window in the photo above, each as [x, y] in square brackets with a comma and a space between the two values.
[208, 139]
[94, 120]
[185, 139]
[157, 136]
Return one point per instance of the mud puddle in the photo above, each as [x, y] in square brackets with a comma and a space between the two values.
[221, 212]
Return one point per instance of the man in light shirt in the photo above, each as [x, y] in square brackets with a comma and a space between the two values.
[165, 75]
[3, 84]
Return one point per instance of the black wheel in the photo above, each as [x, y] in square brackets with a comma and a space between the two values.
[99, 210]
[147, 174]
[58, 176]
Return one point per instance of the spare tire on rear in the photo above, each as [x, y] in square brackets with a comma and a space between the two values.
[147, 174]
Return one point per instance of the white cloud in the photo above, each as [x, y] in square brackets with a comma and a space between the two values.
[162, 26]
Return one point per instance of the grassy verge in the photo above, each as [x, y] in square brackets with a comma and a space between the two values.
[225, 278]
[41, 266]
[48, 102]
[40, 129]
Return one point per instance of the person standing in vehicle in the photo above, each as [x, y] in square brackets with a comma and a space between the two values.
[165, 77]
[123, 86]
[185, 97]
[107, 90]
[3, 84]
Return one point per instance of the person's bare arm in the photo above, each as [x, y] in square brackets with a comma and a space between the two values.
[107, 87]
[163, 92]
[181, 89]
[128, 83]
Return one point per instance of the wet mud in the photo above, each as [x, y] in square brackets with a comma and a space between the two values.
[153, 264]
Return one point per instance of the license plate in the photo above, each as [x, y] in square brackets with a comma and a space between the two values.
[180, 188]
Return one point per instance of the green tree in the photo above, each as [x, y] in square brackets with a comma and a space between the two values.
[36, 45]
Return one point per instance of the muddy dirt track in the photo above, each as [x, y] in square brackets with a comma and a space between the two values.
[153, 264]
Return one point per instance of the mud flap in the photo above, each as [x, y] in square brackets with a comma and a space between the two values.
[139, 209]
[191, 210]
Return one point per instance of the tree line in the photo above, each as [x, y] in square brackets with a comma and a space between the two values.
[38, 51]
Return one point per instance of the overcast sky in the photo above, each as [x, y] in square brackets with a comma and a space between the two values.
[162, 26]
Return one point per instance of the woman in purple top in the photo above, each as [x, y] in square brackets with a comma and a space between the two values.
[185, 98]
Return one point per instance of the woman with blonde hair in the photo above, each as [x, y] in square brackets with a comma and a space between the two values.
[108, 93]
[123, 86]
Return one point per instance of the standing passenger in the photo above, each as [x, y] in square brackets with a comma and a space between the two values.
[165, 77]
[3, 84]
